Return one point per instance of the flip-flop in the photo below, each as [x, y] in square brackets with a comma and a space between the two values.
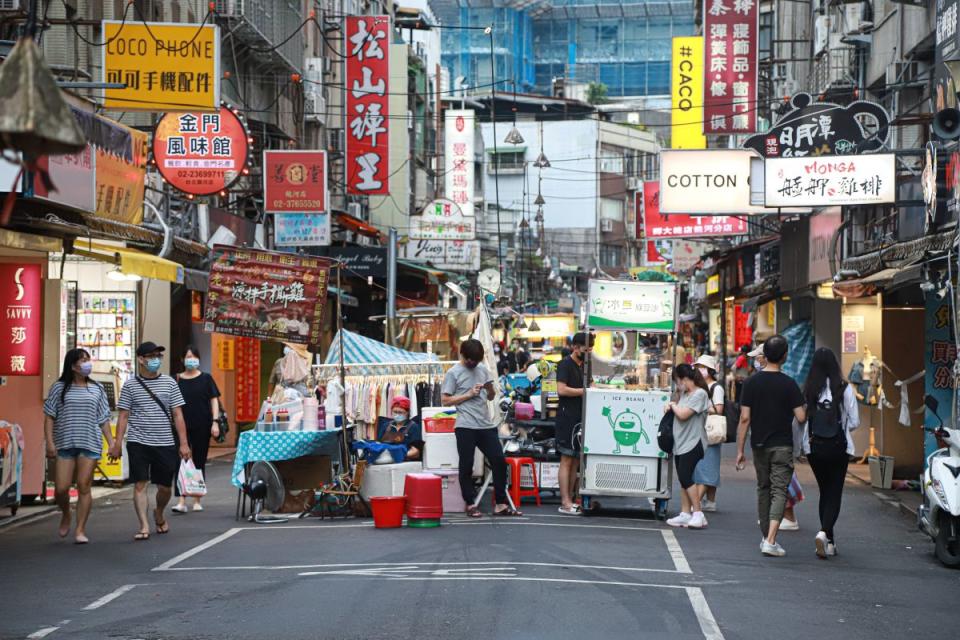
[140, 536]
[162, 525]
[508, 512]
[473, 512]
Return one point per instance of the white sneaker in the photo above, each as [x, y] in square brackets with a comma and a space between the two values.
[680, 520]
[179, 508]
[831, 549]
[821, 542]
[789, 525]
[698, 521]
[708, 505]
[197, 506]
[774, 550]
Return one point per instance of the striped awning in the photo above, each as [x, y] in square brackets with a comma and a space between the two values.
[358, 349]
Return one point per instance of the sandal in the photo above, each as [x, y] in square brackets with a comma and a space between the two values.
[509, 511]
[162, 525]
[473, 512]
[141, 536]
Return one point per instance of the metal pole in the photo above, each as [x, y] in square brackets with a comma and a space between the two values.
[723, 329]
[345, 450]
[392, 286]
[496, 159]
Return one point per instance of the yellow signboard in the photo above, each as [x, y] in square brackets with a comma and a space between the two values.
[226, 352]
[686, 93]
[713, 284]
[166, 66]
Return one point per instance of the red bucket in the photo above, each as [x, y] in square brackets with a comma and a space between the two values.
[388, 511]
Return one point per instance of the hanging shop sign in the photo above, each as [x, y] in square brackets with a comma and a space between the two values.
[657, 225]
[21, 326]
[301, 229]
[821, 128]
[442, 219]
[940, 355]
[686, 92]
[731, 29]
[248, 379]
[294, 181]
[121, 176]
[201, 153]
[359, 261]
[623, 424]
[455, 255]
[266, 295]
[368, 100]
[947, 48]
[226, 349]
[165, 66]
[830, 180]
[823, 228]
[458, 133]
[685, 255]
[705, 181]
[641, 306]
[713, 284]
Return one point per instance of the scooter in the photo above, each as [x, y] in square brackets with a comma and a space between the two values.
[939, 516]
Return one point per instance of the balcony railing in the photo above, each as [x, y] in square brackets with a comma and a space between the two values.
[834, 69]
[263, 24]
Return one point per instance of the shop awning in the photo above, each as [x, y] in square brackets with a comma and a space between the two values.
[345, 298]
[432, 274]
[357, 225]
[358, 349]
[131, 261]
[506, 149]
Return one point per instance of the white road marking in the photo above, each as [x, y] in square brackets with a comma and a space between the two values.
[289, 527]
[403, 572]
[197, 549]
[708, 624]
[110, 597]
[513, 521]
[676, 552]
[42, 633]
[557, 580]
[301, 567]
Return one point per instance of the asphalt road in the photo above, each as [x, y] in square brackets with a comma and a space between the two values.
[542, 576]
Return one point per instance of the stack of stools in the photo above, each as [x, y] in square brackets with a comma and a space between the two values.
[514, 473]
[424, 493]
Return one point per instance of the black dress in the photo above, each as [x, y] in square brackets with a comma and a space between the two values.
[197, 413]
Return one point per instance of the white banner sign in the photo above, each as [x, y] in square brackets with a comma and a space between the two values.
[623, 423]
[301, 229]
[455, 255]
[830, 180]
[442, 220]
[705, 181]
[640, 306]
[459, 149]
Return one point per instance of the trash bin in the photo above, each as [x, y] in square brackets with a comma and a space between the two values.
[881, 471]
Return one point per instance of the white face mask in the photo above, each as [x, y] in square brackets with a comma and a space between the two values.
[400, 417]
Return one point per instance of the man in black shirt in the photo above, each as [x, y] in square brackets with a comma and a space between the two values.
[771, 400]
[569, 415]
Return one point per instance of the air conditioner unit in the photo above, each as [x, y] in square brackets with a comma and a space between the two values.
[315, 109]
[354, 209]
[633, 184]
[606, 225]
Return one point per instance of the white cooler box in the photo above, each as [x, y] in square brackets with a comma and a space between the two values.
[440, 448]
[452, 497]
[387, 479]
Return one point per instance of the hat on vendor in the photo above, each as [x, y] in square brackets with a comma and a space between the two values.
[400, 402]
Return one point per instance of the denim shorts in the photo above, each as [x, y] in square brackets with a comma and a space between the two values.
[73, 452]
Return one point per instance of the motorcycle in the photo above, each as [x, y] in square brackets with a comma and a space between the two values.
[939, 516]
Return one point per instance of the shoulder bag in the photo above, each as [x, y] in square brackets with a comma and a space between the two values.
[665, 433]
[169, 414]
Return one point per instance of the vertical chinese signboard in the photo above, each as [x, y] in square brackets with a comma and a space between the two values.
[295, 191]
[731, 29]
[368, 123]
[940, 355]
[459, 148]
[248, 379]
[266, 295]
[21, 333]
[686, 91]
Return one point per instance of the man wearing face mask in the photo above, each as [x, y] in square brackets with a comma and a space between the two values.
[569, 415]
[402, 429]
[151, 405]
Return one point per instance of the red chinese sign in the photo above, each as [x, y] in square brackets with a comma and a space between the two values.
[248, 379]
[295, 181]
[266, 295]
[201, 153]
[368, 121]
[657, 225]
[732, 32]
[21, 333]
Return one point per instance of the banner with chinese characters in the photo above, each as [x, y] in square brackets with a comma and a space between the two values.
[459, 149]
[166, 67]
[442, 220]
[830, 180]
[301, 229]
[266, 295]
[639, 306]
[368, 100]
[120, 178]
[686, 92]
[731, 29]
[940, 354]
[681, 225]
[21, 326]
[201, 153]
[294, 181]
[248, 379]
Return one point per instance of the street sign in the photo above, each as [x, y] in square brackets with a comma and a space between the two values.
[830, 180]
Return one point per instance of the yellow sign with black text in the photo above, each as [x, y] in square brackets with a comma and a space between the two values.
[165, 66]
[686, 93]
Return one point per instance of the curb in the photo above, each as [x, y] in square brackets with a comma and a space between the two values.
[896, 503]
[43, 511]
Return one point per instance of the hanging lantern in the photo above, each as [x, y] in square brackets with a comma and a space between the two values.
[539, 201]
[541, 162]
[514, 137]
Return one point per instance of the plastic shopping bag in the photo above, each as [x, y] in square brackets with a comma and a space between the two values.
[190, 480]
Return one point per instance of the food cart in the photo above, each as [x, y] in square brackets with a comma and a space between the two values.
[623, 409]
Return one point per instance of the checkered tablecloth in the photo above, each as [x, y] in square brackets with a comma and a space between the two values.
[280, 445]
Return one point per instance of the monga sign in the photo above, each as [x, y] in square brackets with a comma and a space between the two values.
[705, 181]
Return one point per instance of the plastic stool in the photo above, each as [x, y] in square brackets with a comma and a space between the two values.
[516, 492]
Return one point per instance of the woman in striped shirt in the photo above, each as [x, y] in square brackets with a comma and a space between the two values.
[76, 413]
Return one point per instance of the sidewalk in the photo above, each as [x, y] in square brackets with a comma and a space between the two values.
[908, 502]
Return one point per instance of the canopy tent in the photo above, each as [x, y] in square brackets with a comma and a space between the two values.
[358, 349]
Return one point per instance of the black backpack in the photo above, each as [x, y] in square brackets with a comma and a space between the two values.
[825, 419]
[665, 433]
[729, 413]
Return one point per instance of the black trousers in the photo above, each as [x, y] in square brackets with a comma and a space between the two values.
[829, 464]
[468, 441]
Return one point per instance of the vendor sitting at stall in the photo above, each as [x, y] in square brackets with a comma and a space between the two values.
[401, 429]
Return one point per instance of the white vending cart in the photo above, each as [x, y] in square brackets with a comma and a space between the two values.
[620, 456]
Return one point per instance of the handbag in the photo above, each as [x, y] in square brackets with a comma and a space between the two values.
[716, 429]
[665, 433]
[190, 480]
[223, 423]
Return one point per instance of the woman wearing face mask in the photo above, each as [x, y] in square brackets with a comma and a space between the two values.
[76, 413]
[201, 412]
[707, 473]
[689, 442]
[402, 429]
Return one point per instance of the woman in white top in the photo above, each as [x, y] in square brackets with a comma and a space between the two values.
[707, 473]
[826, 439]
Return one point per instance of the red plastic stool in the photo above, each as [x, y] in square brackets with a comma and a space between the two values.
[514, 470]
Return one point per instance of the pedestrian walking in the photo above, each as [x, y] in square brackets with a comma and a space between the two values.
[468, 386]
[569, 415]
[689, 442]
[76, 419]
[201, 413]
[832, 413]
[707, 473]
[771, 400]
[152, 406]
